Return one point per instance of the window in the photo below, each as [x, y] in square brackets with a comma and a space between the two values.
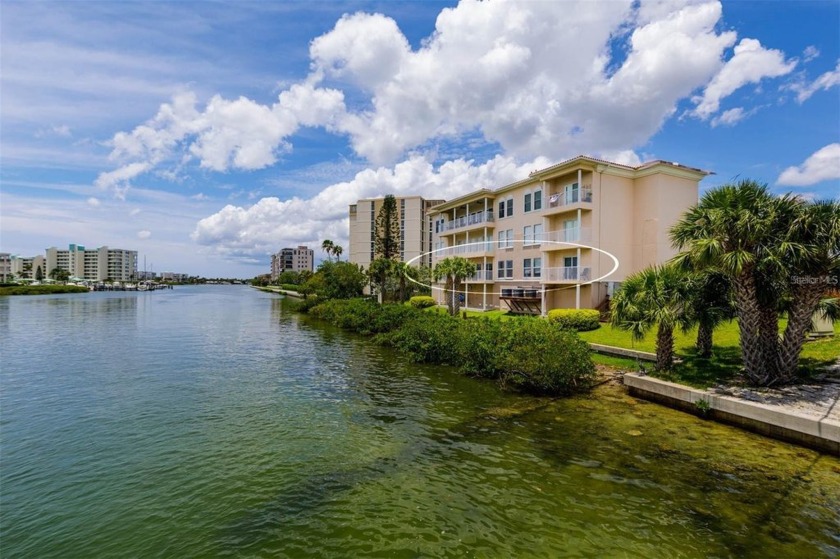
[532, 267]
[532, 234]
[505, 269]
[571, 231]
[502, 209]
[510, 207]
[527, 204]
[570, 268]
[506, 239]
[537, 200]
[572, 193]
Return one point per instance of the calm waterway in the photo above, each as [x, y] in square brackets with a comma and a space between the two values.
[212, 422]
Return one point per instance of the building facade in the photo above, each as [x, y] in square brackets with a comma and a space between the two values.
[5, 266]
[566, 236]
[94, 264]
[26, 267]
[292, 260]
[415, 231]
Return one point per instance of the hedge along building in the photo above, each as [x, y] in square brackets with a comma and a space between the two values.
[566, 236]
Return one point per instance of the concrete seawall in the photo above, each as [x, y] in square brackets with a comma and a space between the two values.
[820, 433]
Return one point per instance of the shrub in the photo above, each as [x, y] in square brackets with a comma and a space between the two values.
[42, 289]
[303, 306]
[363, 316]
[422, 301]
[541, 358]
[289, 286]
[426, 338]
[580, 320]
[479, 346]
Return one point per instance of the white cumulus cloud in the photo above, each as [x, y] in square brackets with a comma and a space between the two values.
[144, 234]
[822, 165]
[824, 82]
[94, 202]
[750, 63]
[730, 117]
[272, 223]
[550, 79]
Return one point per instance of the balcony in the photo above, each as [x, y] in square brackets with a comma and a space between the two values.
[482, 276]
[553, 240]
[472, 249]
[569, 200]
[470, 220]
[567, 274]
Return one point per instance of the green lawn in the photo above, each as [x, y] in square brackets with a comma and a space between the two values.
[726, 360]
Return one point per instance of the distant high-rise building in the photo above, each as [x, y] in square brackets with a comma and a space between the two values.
[26, 267]
[292, 260]
[415, 230]
[94, 265]
[5, 266]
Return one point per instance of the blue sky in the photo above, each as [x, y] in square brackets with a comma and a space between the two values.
[207, 135]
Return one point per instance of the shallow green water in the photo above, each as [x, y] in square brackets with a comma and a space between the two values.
[209, 422]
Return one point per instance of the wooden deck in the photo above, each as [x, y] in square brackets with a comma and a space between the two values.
[523, 305]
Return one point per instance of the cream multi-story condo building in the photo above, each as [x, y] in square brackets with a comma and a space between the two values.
[415, 234]
[26, 267]
[5, 266]
[292, 259]
[565, 236]
[94, 264]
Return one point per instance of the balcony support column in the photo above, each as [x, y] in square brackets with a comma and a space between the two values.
[543, 310]
[577, 287]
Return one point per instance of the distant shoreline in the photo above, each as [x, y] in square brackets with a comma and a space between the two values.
[42, 289]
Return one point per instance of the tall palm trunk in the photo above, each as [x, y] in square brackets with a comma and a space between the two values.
[769, 334]
[806, 299]
[664, 348]
[456, 297]
[449, 293]
[749, 322]
[704, 338]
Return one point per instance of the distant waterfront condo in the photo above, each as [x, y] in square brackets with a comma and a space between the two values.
[26, 267]
[415, 229]
[94, 264]
[292, 259]
[5, 266]
[548, 241]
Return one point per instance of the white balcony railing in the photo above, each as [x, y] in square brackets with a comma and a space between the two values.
[576, 235]
[567, 274]
[469, 248]
[482, 275]
[476, 218]
[583, 194]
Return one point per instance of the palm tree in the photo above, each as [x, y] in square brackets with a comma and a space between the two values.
[814, 269]
[737, 229]
[711, 304]
[379, 272]
[337, 250]
[327, 246]
[656, 296]
[404, 274]
[455, 270]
